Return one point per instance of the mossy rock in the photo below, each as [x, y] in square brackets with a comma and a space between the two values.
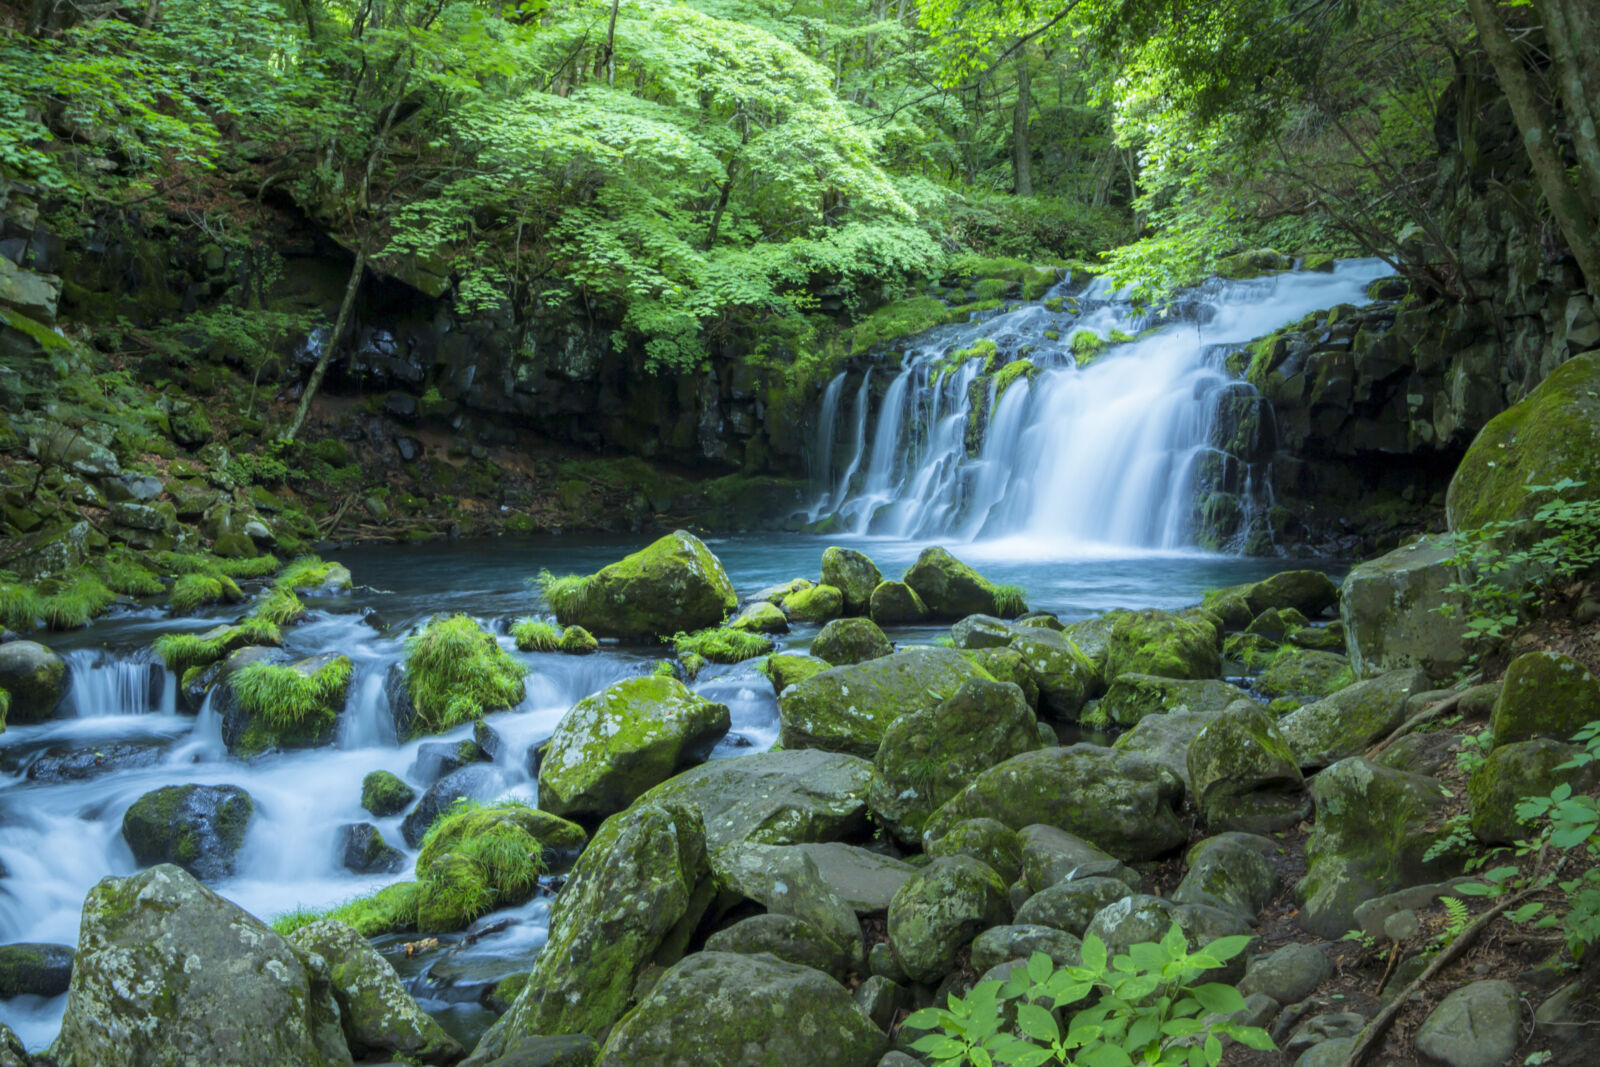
[847, 709]
[1008, 665]
[384, 794]
[478, 858]
[1133, 697]
[274, 705]
[613, 746]
[1389, 610]
[1513, 772]
[786, 938]
[1070, 904]
[853, 574]
[1066, 677]
[991, 843]
[576, 641]
[35, 677]
[896, 604]
[674, 584]
[454, 672]
[1296, 672]
[748, 1009]
[1350, 721]
[760, 617]
[786, 668]
[940, 910]
[1160, 643]
[949, 588]
[1553, 433]
[1119, 802]
[846, 641]
[1243, 774]
[1230, 605]
[817, 603]
[1309, 592]
[929, 754]
[1545, 694]
[198, 827]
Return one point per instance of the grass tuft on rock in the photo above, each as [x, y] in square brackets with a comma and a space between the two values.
[477, 858]
[124, 574]
[565, 594]
[279, 606]
[577, 641]
[72, 606]
[19, 607]
[392, 909]
[287, 699]
[455, 671]
[181, 652]
[202, 563]
[536, 635]
[306, 572]
[1009, 601]
[193, 590]
[721, 644]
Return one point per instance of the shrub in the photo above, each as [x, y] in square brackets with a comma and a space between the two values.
[722, 645]
[455, 671]
[535, 635]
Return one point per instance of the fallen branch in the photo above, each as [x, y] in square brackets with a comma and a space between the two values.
[1373, 1034]
[1427, 714]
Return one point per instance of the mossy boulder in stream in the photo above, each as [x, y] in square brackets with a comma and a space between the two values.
[383, 793]
[1308, 592]
[928, 755]
[198, 827]
[1122, 803]
[853, 574]
[1304, 675]
[36, 679]
[481, 857]
[785, 668]
[674, 584]
[170, 974]
[757, 1011]
[1066, 677]
[634, 897]
[847, 709]
[454, 672]
[276, 705]
[846, 641]
[949, 588]
[760, 617]
[616, 744]
[1160, 643]
[940, 910]
[816, 603]
[1545, 694]
[1553, 433]
[377, 1014]
[896, 604]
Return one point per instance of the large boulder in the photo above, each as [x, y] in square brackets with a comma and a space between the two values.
[1374, 826]
[847, 709]
[1512, 772]
[853, 574]
[1124, 804]
[726, 1008]
[1050, 855]
[35, 677]
[773, 798]
[1308, 592]
[929, 754]
[1243, 774]
[1305, 675]
[949, 588]
[198, 827]
[790, 939]
[1160, 643]
[1387, 606]
[1133, 697]
[940, 910]
[896, 604]
[616, 744]
[1350, 721]
[1166, 738]
[629, 892]
[1553, 433]
[1232, 871]
[170, 974]
[1138, 918]
[674, 584]
[376, 1012]
[846, 641]
[814, 603]
[1066, 677]
[1071, 904]
[1545, 694]
[785, 880]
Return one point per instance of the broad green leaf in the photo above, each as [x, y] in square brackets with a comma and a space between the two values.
[1219, 998]
[1037, 1023]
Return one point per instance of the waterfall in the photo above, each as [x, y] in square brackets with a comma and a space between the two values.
[1097, 445]
[99, 683]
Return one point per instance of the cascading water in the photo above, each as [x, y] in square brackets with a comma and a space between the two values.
[1076, 453]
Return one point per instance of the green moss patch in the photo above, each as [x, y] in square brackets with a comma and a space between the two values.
[477, 858]
[455, 671]
[722, 644]
[535, 635]
[289, 704]
[193, 590]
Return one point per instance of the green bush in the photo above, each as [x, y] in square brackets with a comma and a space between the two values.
[1149, 1011]
[722, 645]
[566, 594]
[455, 671]
[535, 635]
[125, 575]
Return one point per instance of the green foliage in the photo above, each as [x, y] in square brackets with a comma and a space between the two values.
[720, 644]
[305, 572]
[455, 672]
[5, 706]
[182, 652]
[1149, 1010]
[124, 574]
[192, 590]
[475, 858]
[1009, 601]
[71, 606]
[287, 699]
[279, 606]
[1512, 567]
[1456, 918]
[566, 595]
[19, 606]
[392, 909]
[536, 635]
[181, 563]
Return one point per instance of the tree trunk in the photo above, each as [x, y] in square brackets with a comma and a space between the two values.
[1566, 206]
[611, 47]
[315, 381]
[1021, 152]
[1566, 26]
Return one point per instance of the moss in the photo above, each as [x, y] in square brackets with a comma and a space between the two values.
[477, 858]
[966, 311]
[1008, 374]
[576, 641]
[287, 705]
[566, 594]
[384, 794]
[535, 635]
[71, 606]
[184, 652]
[455, 671]
[193, 590]
[1086, 347]
[392, 909]
[1296, 672]
[816, 604]
[505, 992]
[722, 644]
[278, 606]
[179, 563]
[5, 708]
[124, 574]
[912, 315]
[992, 288]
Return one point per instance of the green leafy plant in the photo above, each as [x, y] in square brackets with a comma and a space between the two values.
[1143, 1006]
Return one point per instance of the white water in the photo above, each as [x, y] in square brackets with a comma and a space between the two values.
[1080, 461]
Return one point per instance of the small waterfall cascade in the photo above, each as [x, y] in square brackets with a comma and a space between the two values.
[101, 683]
[1083, 422]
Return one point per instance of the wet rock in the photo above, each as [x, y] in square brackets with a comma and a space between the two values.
[1050, 855]
[785, 669]
[1008, 665]
[1166, 738]
[477, 782]
[384, 794]
[760, 618]
[253, 723]
[940, 910]
[949, 588]
[847, 709]
[198, 827]
[378, 1016]
[981, 631]
[82, 764]
[928, 754]
[788, 938]
[634, 734]
[34, 970]
[882, 1000]
[1478, 1025]
[896, 604]
[1124, 804]
[786, 881]
[1350, 721]
[853, 574]
[674, 584]
[998, 944]
[867, 881]
[846, 641]
[363, 850]
[435, 759]
[989, 842]
[1295, 672]
[1545, 694]
[1387, 608]
[751, 1010]
[1243, 774]
[35, 677]
[630, 890]
[1071, 905]
[817, 603]
[1289, 975]
[12, 1051]
[167, 972]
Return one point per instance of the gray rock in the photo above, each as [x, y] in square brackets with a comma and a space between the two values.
[1350, 721]
[786, 937]
[853, 640]
[785, 880]
[169, 974]
[1387, 607]
[1050, 856]
[1478, 1025]
[1166, 738]
[1328, 1054]
[1139, 917]
[477, 782]
[1319, 1029]
[554, 1050]
[1243, 774]
[363, 850]
[1288, 975]
[376, 1012]
[989, 842]
[1070, 906]
[198, 827]
[865, 880]
[981, 631]
[998, 944]
[882, 1000]
[29, 292]
[940, 910]
[34, 970]
[1372, 916]
[1230, 871]
[35, 677]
